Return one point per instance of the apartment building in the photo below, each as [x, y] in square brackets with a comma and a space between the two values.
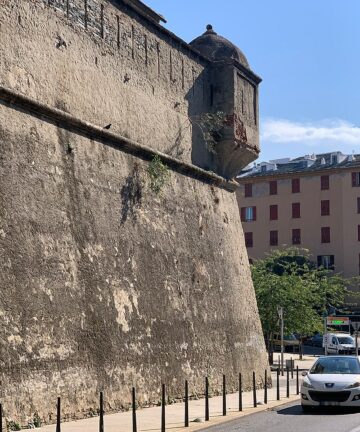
[312, 202]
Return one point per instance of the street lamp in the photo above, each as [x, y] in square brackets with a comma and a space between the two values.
[280, 312]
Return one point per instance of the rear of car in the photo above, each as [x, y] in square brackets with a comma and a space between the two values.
[332, 381]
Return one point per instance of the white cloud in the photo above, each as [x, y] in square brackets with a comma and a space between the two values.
[312, 134]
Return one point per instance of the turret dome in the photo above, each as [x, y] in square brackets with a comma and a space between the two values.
[217, 48]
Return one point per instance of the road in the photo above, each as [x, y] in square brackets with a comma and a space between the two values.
[290, 418]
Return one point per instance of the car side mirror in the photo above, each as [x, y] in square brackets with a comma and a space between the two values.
[304, 373]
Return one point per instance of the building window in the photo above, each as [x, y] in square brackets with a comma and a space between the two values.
[325, 235]
[248, 214]
[326, 261]
[273, 212]
[358, 204]
[355, 179]
[295, 210]
[273, 238]
[296, 236]
[325, 183]
[325, 207]
[251, 261]
[295, 185]
[249, 239]
[273, 187]
[248, 190]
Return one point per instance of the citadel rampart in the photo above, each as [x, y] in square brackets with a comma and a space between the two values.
[105, 285]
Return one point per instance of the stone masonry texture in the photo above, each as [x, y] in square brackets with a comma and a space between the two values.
[105, 285]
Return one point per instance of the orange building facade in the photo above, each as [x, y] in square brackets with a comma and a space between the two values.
[311, 202]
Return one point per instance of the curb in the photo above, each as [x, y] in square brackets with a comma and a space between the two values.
[236, 415]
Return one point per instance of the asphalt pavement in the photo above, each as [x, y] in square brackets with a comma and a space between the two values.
[290, 418]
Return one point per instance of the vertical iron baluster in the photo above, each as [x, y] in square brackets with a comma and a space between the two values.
[58, 415]
[287, 383]
[254, 390]
[101, 418]
[278, 384]
[265, 389]
[163, 409]
[134, 410]
[224, 395]
[240, 393]
[297, 380]
[206, 399]
[186, 404]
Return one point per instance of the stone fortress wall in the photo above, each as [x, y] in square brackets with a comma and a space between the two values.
[105, 285]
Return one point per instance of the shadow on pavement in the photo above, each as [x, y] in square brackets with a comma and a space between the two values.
[297, 410]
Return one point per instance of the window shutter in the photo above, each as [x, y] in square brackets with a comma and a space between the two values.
[324, 182]
[353, 179]
[273, 238]
[325, 235]
[248, 190]
[249, 239]
[273, 187]
[273, 212]
[295, 185]
[254, 213]
[325, 208]
[296, 210]
[243, 213]
[296, 236]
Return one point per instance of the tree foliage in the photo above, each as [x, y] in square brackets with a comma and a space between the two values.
[288, 278]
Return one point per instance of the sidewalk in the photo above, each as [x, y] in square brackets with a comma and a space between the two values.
[149, 419]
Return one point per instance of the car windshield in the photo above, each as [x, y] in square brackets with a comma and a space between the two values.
[345, 340]
[290, 337]
[336, 365]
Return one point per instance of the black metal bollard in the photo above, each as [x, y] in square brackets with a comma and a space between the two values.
[287, 383]
[254, 390]
[292, 368]
[297, 380]
[224, 395]
[278, 384]
[1, 418]
[265, 388]
[240, 393]
[186, 404]
[134, 422]
[207, 399]
[101, 419]
[163, 409]
[58, 415]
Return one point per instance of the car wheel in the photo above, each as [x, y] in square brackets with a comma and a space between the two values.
[306, 408]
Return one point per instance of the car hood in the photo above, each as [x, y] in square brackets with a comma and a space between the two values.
[339, 381]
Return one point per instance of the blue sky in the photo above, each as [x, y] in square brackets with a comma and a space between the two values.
[306, 51]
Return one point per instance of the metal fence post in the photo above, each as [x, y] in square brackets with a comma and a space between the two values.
[58, 415]
[297, 380]
[278, 384]
[224, 395]
[206, 399]
[101, 419]
[265, 389]
[1, 418]
[292, 368]
[287, 383]
[134, 422]
[163, 409]
[240, 393]
[186, 404]
[254, 390]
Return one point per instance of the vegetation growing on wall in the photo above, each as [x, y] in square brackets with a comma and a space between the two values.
[158, 174]
[211, 125]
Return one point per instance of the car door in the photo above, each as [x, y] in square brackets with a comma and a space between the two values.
[333, 344]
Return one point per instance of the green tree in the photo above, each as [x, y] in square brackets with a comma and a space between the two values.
[289, 278]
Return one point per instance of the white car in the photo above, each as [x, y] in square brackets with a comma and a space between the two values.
[332, 381]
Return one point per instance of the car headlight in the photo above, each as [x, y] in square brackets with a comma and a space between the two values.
[357, 384]
[307, 384]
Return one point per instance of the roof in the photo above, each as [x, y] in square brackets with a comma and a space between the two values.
[217, 48]
[303, 165]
